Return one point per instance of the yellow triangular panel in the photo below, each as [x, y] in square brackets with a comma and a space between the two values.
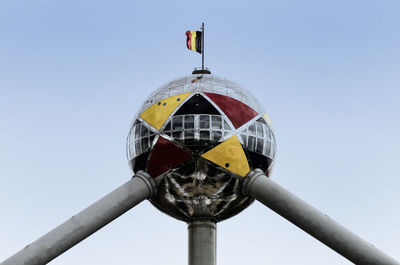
[157, 113]
[267, 118]
[229, 155]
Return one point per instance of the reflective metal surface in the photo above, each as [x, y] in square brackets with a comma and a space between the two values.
[198, 137]
[199, 190]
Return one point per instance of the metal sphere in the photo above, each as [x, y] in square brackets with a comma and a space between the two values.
[198, 137]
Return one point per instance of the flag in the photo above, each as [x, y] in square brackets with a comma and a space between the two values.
[193, 40]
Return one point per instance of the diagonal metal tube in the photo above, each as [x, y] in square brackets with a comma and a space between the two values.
[85, 223]
[312, 221]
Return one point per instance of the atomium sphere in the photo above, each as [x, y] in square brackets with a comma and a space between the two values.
[198, 137]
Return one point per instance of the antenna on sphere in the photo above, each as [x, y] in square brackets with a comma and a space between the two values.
[195, 42]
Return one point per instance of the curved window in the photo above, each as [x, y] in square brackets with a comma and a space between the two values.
[140, 139]
[259, 138]
[197, 129]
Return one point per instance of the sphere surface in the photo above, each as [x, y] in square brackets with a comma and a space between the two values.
[198, 137]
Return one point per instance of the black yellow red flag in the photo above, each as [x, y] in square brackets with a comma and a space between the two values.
[193, 40]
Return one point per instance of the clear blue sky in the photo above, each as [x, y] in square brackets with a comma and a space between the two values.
[74, 73]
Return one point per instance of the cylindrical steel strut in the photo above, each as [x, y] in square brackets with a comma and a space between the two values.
[202, 242]
[85, 223]
[312, 221]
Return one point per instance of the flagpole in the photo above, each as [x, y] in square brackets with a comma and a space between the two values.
[203, 70]
[202, 47]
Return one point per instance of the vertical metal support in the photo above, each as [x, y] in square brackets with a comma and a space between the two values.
[85, 223]
[312, 221]
[202, 46]
[202, 242]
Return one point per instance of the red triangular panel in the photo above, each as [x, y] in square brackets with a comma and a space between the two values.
[238, 112]
[166, 156]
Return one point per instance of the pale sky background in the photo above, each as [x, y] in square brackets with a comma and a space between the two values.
[74, 73]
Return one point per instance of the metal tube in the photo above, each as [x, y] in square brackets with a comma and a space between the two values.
[85, 223]
[202, 242]
[312, 221]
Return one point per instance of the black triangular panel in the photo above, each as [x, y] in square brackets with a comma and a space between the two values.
[262, 120]
[139, 162]
[259, 161]
[168, 127]
[197, 104]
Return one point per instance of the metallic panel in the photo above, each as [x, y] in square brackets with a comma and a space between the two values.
[238, 112]
[229, 155]
[198, 189]
[197, 105]
[159, 112]
[166, 156]
[207, 83]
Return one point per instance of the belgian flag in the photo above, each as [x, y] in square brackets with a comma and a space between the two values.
[193, 40]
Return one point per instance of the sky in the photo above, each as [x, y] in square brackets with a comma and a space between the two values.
[73, 75]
